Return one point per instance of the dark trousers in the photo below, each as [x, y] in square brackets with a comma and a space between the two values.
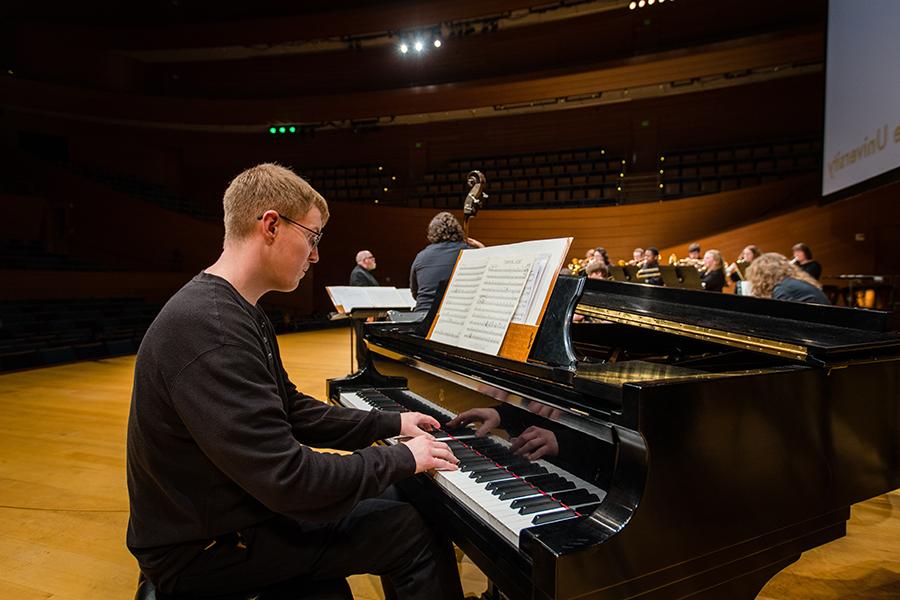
[382, 536]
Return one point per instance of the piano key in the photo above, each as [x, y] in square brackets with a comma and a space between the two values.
[539, 506]
[553, 517]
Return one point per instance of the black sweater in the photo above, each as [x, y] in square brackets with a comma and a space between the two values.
[216, 431]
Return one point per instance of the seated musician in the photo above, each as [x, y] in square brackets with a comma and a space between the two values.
[226, 493]
[594, 270]
[649, 272]
[772, 276]
[601, 255]
[713, 279]
[694, 252]
[803, 258]
[736, 271]
[637, 257]
[361, 275]
[434, 264]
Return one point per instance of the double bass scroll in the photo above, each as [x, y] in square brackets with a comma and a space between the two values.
[474, 199]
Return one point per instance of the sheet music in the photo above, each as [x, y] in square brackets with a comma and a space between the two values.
[348, 297]
[480, 302]
[531, 288]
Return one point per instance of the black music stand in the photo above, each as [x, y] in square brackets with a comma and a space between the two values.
[670, 276]
[617, 273]
[631, 273]
[690, 277]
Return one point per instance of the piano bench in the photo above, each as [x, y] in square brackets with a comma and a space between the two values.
[332, 589]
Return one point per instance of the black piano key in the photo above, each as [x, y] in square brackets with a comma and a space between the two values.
[479, 469]
[553, 517]
[579, 496]
[498, 486]
[500, 474]
[539, 480]
[518, 493]
[528, 469]
[524, 502]
[558, 486]
[536, 507]
[475, 464]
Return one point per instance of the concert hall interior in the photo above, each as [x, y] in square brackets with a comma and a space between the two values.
[624, 125]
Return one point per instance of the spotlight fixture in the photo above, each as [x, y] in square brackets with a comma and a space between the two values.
[642, 3]
[404, 48]
[437, 43]
[419, 46]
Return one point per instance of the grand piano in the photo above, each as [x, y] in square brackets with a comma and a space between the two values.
[700, 442]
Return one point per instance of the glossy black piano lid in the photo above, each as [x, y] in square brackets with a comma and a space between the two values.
[828, 332]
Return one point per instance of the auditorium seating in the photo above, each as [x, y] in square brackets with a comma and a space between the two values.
[577, 177]
[42, 332]
[709, 170]
[356, 183]
[36, 333]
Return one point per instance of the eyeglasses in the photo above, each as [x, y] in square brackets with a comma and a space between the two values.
[317, 235]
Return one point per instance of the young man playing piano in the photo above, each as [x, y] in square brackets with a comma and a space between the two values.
[226, 495]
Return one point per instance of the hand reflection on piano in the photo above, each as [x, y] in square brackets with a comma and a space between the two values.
[488, 417]
[533, 443]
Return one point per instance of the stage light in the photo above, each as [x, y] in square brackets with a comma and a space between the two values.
[385, 189]
[273, 130]
[650, 2]
[292, 129]
[642, 3]
[404, 48]
[632, 6]
[419, 45]
[437, 43]
[281, 130]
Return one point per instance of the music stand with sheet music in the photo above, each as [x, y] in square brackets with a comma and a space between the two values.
[360, 304]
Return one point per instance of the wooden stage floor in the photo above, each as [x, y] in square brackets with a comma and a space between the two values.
[64, 506]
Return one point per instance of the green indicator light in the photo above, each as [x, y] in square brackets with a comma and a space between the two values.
[292, 129]
[281, 130]
[272, 130]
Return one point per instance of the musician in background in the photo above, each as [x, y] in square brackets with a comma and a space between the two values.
[361, 275]
[737, 271]
[600, 255]
[226, 493]
[597, 270]
[772, 276]
[713, 279]
[589, 255]
[803, 258]
[435, 262]
[694, 252]
[637, 257]
[649, 271]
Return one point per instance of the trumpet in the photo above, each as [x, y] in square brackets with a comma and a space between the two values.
[687, 262]
[578, 265]
[739, 266]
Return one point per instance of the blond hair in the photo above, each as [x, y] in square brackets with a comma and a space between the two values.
[772, 268]
[265, 187]
[717, 259]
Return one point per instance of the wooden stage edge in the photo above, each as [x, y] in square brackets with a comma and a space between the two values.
[64, 506]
